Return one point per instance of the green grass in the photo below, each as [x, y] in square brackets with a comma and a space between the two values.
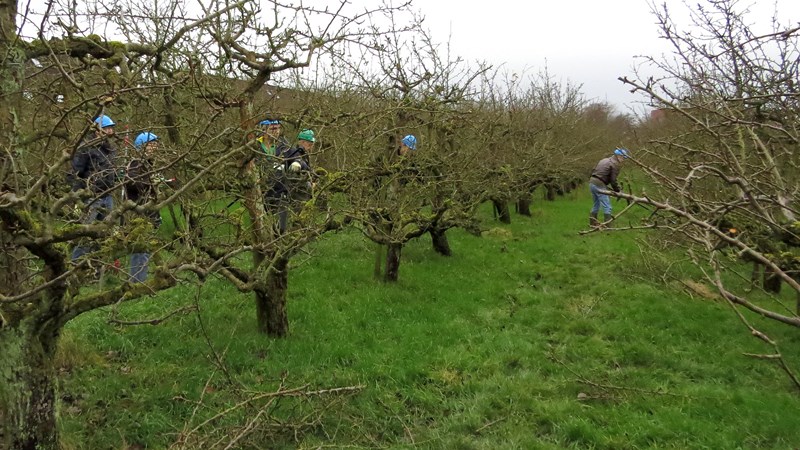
[488, 349]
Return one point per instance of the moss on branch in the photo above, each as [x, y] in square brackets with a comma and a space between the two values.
[81, 47]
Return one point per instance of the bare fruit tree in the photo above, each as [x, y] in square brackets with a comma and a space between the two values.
[403, 84]
[722, 152]
[70, 73]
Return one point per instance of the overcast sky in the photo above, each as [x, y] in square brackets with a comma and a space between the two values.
[589, 42]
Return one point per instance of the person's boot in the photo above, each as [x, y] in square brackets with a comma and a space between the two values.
[593, 222]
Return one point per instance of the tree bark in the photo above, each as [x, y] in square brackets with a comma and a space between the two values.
[12, 267]
[502, 210]
[550, 193]
[440, 243]
[271, 301]
[797, 305]
[772, 281]
[13, 271]
[27, 389]
[571, 186]
[393, 262]
[171, 118]
[524, 206]
[377, 270]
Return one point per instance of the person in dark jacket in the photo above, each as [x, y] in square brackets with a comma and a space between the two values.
[93, 168]
[271, 148]
[140, 188]
[604, 176]
[289, 183]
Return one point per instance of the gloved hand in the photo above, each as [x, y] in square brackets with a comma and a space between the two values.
[171, 182]
[295, 167]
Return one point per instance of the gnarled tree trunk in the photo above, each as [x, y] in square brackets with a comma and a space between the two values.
[502, 211]
[27, 388]
[772, 281]
[271, 301]
[524, 205]
[13, 270]
[440, 243]
[393, 262]
[550, 193]
[377, 271]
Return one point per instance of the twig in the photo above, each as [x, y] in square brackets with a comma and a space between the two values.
[606, 387]
[153, 321]
[181, 442]
[732, 302]
[758, 356]
[490, 424]
[296, 392]
[220, 362]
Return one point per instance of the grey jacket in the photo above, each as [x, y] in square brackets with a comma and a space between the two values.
[605, 173]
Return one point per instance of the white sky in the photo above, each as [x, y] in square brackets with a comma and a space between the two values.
[588, 42]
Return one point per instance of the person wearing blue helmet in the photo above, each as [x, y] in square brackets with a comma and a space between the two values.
[408, 143]
[419, 172]
[92, 163]
[93, 169]
[268, 154]
[271, 142]
[604, 176]
[140, 188]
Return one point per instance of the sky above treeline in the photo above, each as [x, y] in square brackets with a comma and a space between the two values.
[588, 42]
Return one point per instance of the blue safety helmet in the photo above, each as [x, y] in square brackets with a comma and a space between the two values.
[104, 121]
[622, 152]
[266, 122]
[144, 138]
[410, 141]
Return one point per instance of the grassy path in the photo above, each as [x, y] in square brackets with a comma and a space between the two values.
[530, 337]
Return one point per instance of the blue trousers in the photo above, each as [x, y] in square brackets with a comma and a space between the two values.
[139, 267]
[97, 211]
[600, 201]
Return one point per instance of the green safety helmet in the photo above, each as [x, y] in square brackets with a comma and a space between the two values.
[307, 135]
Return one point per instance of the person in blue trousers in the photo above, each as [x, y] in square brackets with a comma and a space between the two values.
[604, 178]
[140, 188]
[93, 168]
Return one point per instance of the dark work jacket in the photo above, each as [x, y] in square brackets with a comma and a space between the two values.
[297, 154]
[93, 167]
[139, 186]
[281, 180]
[269, 162]
[138, 182]
[606, 172]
